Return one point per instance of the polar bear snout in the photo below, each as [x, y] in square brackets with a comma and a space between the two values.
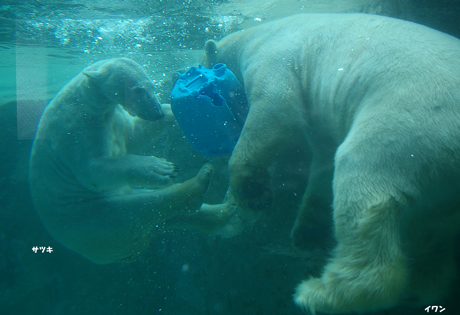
[143, 103]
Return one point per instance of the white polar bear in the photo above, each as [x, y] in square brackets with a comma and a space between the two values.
[92, 195]
[377, 101]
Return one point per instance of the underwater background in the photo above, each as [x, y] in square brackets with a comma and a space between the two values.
[43, 44]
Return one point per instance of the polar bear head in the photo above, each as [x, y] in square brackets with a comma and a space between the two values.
[124, 82]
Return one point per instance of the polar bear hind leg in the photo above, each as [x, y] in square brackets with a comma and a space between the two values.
[368, 270]
[373, 191]
[116, 228]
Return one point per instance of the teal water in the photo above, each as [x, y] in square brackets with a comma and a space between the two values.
[43, 44]
[53, 41]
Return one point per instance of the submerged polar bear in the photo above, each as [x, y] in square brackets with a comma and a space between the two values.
[92, 195]
[378, 102]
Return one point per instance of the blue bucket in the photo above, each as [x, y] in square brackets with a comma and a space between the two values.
[210, 107]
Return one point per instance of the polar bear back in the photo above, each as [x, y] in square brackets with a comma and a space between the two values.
[343, 59]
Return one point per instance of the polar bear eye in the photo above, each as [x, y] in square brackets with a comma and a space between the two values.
[138, 89]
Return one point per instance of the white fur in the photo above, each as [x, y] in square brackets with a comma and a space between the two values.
[92, 193]
[377, 102]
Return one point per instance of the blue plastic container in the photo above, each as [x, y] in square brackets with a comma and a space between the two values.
[210, 106]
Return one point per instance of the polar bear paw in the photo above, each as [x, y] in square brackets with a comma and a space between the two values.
[337, 296]
[344, 290]
[204, 175]
[312, 296]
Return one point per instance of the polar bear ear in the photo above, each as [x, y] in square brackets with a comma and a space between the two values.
[96, 76]
[210, 49]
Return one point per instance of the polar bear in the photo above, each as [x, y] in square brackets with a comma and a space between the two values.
[92, 195]
[377, 101]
